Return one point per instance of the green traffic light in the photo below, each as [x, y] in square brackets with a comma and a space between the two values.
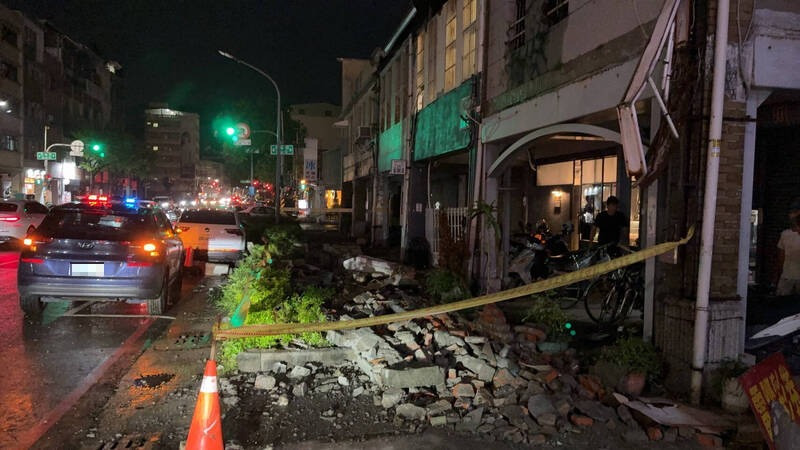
[230, 131]
[568, 325]
[96, 147]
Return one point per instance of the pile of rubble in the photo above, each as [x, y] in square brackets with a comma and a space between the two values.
[484, 376]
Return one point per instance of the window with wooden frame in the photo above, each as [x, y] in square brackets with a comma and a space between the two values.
[469, 21]
[516, 31]
[420, 69]
[451, 29]
[430, 86]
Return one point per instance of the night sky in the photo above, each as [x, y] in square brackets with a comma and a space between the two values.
[168, 48]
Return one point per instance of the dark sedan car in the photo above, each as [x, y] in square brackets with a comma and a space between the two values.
[98, 250]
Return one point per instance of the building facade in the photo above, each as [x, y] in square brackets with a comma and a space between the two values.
[174, 137]
[322, 145]
[538, 110]
[52, 88]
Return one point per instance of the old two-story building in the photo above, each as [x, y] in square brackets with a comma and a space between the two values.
[542, 110]
[358, 125]
[559, 82]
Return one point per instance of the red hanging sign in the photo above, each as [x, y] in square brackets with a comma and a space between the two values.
[770, 381]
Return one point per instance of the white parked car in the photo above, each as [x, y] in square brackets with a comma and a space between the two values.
[19, 217]
[213, 235]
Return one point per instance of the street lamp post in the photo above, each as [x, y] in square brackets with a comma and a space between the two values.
[277, 130]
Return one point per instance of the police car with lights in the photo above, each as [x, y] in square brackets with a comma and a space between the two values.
[98, 249]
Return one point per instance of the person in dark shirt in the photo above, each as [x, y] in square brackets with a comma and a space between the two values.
[611, 225]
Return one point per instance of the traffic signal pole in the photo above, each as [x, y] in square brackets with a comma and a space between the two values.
[279, 160]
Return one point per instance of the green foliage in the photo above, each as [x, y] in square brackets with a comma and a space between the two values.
[282, 239]
[259, 113]
[488, 212]
[300, 308]
[546, 311]
[728, 368]
[635, 355]
[271, 301]
[445, 286]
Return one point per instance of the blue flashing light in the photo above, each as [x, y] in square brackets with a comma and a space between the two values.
[131, 202]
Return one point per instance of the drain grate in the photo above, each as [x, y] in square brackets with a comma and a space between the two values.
[193, 340]
[135, 442]
[152, 381]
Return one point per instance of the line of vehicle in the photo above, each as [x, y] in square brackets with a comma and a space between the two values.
[53, 416]
[124, 316]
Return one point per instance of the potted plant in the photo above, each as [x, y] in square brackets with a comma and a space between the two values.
[725, 383]
[547, 314]
[637, 361]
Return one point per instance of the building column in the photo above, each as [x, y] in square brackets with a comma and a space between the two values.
[754, 99]
[488, 258]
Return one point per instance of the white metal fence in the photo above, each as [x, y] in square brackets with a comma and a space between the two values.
[457, 219]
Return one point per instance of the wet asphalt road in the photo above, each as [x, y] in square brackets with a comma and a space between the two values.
[50, 362]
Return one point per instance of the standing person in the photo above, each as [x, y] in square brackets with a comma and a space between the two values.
[611, 226]
[788, 279]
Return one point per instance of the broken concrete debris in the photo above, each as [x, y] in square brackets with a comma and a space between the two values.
[484, 376]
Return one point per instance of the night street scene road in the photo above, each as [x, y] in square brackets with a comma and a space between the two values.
[400, 224]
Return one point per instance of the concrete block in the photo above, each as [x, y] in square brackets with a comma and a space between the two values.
[413, 377]
[265, 359]
[249, 362]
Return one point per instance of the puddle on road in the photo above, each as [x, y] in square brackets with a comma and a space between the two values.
[152, 381]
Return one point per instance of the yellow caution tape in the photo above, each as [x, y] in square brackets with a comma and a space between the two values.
[533, 288]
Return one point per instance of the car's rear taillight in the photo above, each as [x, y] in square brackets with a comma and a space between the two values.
[9, 219]
[143, 253]
[32, 260]
[236, 231]
[138, 263]
[183, 228]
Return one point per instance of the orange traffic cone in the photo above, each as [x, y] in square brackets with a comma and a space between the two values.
[189, 260]
[206, 430]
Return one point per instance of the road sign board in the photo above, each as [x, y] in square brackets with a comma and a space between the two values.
[244, 181]
[286, 149]
[76, 146]
[48, 156]
[241, 142]
[243, 130]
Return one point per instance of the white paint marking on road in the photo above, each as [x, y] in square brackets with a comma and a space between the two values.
[51, 418]
[124, 316]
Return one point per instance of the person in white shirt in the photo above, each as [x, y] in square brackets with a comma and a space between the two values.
[789, 258]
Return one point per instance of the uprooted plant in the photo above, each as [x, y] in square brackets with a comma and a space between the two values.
[272, 300]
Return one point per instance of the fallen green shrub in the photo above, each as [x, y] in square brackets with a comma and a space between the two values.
[446, 286]
[282, 240]
[298, 308]
[267, 286]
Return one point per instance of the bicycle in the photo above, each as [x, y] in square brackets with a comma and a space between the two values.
[570, 295]
[610, 298]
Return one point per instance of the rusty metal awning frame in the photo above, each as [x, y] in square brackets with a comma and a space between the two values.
[632, 146]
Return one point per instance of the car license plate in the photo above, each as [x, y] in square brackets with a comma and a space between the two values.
[88, 270]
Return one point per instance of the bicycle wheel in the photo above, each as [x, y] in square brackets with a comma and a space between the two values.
[570, 295]
[601, 300]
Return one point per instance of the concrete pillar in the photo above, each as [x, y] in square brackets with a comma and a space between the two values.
[754, 99]
[490, 279]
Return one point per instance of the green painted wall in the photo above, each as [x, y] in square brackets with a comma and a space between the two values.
[440, 128]
[390, 146]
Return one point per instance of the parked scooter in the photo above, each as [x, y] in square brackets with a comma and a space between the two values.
[532, 254]
[544, 254]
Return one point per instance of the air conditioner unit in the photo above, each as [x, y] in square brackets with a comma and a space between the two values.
[364, 134]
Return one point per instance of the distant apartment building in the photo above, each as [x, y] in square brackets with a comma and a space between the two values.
[11, 97]
[51, 88]
[174, 138]
[319, 161]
